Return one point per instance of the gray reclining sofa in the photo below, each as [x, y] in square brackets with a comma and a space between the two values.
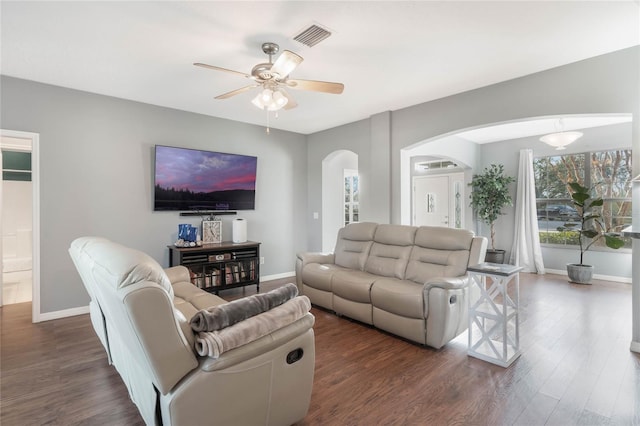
[409, 281]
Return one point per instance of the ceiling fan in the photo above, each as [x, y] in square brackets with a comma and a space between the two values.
[273, 77]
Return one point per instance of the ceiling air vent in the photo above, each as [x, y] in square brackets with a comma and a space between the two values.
[312, 35]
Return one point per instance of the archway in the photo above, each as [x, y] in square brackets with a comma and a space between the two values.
[334, 166]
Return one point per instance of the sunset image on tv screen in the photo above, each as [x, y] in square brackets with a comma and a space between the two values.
[190, 179]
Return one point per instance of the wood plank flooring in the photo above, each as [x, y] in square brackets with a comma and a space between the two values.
[576, 369]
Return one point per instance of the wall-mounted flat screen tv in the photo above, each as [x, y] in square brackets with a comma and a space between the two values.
[192, 179]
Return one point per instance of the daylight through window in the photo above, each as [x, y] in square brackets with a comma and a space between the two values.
[351, 196]
[608, 173]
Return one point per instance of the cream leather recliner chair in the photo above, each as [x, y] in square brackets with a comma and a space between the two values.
[141, 312]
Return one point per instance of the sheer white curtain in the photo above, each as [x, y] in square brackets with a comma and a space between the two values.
[526, 251]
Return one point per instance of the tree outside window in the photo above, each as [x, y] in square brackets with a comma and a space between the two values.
[351, 196]
[607, 172]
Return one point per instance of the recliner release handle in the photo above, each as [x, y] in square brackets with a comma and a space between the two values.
[294, 356]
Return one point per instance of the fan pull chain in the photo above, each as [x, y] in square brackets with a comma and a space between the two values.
[267, 120]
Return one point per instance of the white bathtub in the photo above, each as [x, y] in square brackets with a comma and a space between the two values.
[16, 264]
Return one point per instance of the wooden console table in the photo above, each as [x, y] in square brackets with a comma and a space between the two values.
[494, 333]
[220, 266]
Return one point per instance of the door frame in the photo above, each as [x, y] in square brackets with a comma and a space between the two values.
[453, 175]
[35, 218]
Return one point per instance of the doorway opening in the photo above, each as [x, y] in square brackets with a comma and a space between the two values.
[334, 191]
[20, 220]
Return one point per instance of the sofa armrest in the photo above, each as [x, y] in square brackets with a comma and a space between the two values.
[446, 283]
[309, 257]
[258, 347]
[445, 309]
[178, 274]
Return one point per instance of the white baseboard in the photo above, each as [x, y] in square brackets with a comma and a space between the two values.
[635, 346]
[48, 316]
[277, 276]
[613, 278]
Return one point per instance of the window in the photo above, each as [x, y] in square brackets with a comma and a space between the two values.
[16, 165]
[351, 196]
[607, 172]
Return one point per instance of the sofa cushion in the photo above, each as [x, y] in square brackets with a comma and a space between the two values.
[395, 235]
[439, 252]
[443, 238]
[353, 245]
[353, 285]
[390, 251]
[185, 292]
[401, 297]
[319, 275]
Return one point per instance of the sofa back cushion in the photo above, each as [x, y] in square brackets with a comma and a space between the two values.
[353, 245]
[439, 252]
[390, 250]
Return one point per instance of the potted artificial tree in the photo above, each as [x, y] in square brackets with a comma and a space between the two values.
[489, 195]
[588, 227]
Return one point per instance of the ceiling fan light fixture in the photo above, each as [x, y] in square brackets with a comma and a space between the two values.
[271, 100]
[280, 99]
[267, 96]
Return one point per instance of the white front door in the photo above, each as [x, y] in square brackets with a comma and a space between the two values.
[431, 201]
[437, 200]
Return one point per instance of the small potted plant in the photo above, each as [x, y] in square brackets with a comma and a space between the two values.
[489, 195]
[590, 229]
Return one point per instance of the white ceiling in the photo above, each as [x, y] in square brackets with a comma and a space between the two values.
[389, 55]
[541, 126]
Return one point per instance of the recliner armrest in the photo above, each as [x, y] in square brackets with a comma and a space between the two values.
[305, 258]
[447, 283]
[310, 257]
[178, 274]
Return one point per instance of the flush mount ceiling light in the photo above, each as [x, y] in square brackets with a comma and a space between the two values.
[560, 139]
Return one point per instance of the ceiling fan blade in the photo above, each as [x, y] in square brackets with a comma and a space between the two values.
[286, 62]
[211, 67]
[316, 86]
[237, 91]
[291, 102]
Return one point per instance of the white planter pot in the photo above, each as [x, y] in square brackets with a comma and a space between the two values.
[579, 274]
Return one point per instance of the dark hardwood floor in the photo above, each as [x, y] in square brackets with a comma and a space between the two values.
[576, 369]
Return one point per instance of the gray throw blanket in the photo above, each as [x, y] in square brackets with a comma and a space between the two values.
[214, 343]
[221, 316]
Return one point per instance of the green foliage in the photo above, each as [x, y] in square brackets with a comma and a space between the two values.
[591, 226]
[562, 237]
[490, 194]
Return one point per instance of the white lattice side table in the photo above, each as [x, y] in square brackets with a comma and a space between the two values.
[494, 333]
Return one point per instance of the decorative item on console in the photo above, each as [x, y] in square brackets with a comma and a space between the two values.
[239, 230]
[188, 236]
[211, 230]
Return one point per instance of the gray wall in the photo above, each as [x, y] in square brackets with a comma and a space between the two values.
[604, 84]
[96, 157]
[353, 137]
